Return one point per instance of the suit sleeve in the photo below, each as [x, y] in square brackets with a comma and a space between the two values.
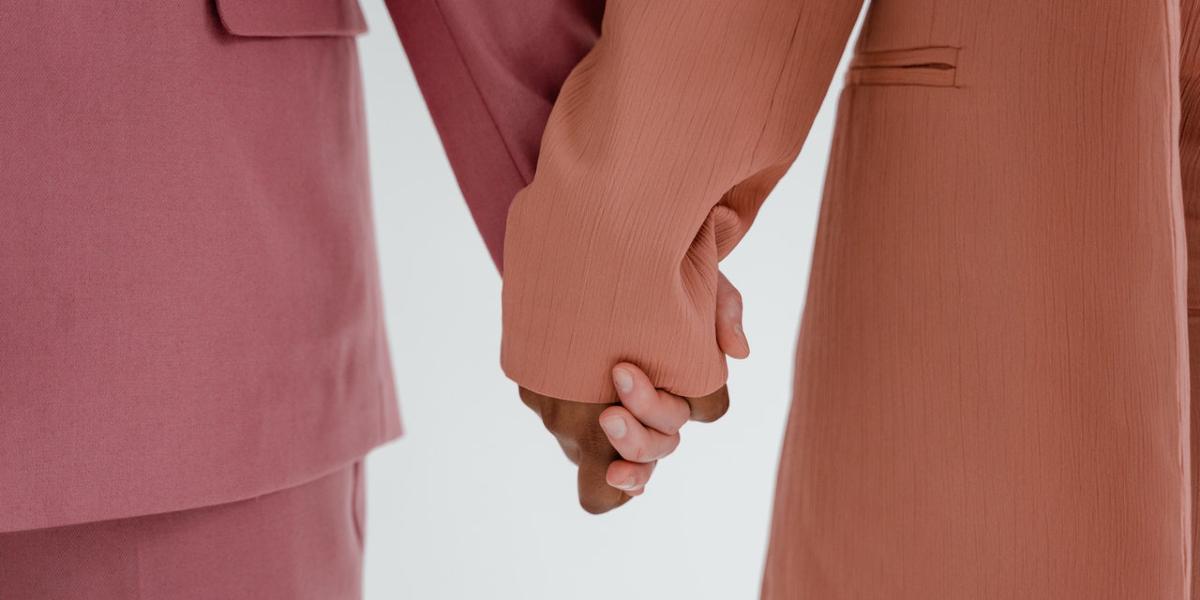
[490, 72]
[662, 145]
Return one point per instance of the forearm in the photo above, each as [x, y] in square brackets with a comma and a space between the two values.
[663, 144]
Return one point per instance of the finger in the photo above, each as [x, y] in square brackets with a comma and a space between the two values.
[596, 496]
[654, 408]
[632, 440]
[731, 338]
[707, 409]
[628, 476]
[576, 427]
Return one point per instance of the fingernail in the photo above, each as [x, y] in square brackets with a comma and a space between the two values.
[629, 484]
[738, 330]
[623, 379]
[614, 427]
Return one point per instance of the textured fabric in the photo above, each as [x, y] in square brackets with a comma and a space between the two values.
[299, 543]
[191, 310]
[663, 143]
[992, 382]
[1189, 155]
[490, 71]
[266, 19]
[991, 389]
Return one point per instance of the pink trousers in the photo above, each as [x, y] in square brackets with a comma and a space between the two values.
[297, 543]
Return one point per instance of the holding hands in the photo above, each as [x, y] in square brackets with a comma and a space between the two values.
[617, 446]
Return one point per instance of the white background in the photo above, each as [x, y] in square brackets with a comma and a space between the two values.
[477, 500]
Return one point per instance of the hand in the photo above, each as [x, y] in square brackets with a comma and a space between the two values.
[645, 426]
[617, 446]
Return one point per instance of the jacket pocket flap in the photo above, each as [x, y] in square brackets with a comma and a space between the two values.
[291, 18]
[935, 66]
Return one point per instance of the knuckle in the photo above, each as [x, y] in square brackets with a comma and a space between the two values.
[669, 446]
[636, 402]
[671, 428]
[612, 411]
[683, 412]
[639, 452]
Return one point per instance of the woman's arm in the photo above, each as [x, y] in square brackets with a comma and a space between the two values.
[662, 145]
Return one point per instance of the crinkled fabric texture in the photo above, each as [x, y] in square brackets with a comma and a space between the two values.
[664, 142]
[992, 376]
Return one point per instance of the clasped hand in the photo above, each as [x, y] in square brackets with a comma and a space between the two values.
[617, 446]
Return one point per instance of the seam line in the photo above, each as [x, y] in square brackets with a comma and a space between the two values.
[462, 57]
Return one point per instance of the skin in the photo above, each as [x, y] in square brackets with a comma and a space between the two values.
[645, 427]
[616, 447]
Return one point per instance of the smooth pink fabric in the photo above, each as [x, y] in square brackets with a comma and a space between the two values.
[300, 543]
[490, 72]
[191, 309]
[189, 301]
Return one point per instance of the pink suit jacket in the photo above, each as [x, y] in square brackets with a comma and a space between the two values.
[190, 302]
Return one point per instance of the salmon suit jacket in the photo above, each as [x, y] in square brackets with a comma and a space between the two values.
[189, 299]
[992, 380]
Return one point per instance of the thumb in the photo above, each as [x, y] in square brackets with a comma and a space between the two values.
[730, 336]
